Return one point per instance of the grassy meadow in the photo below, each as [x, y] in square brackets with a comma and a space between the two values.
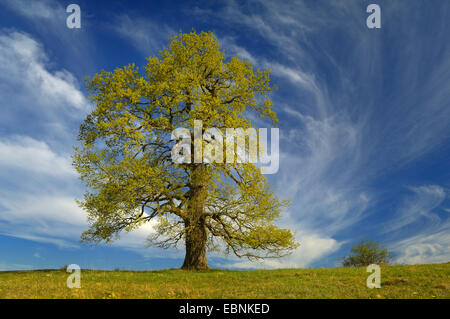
[421, 281]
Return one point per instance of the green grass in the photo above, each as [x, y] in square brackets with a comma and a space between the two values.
[421, 281]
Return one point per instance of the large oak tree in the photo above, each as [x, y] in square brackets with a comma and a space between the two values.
[124, 157]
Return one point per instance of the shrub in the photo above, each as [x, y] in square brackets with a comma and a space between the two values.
[367, 252]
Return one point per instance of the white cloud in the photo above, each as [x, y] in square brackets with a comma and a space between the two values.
[37, 209]
[8, 266]
[312, 248]
[232, 49]
[295, 76]
[418, 208]
[24, 71]
[420, 234]
[147, 36]
[27, 154]
[319, 168]
[45, 238]
[41, 217]
[52, 216]
[42, 9]
[43, 207]
[47, 18]
[423, 249]
[39, 184]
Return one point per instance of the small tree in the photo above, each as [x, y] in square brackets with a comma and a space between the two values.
[366, 252]
[125, 155]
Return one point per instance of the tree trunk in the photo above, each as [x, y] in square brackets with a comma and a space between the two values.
[195, 258]
[196, 232]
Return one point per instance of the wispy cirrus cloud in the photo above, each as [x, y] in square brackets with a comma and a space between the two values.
[44, 9]
[424, 248]
[46, 20]
[418, 208]
[6, 266]
[146, 35]
[346, 120]
[418, 231]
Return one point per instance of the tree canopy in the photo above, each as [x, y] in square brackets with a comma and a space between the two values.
[124, 156]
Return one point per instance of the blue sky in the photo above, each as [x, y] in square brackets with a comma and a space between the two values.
[364, 122]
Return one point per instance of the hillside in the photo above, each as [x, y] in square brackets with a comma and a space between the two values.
[421, 281]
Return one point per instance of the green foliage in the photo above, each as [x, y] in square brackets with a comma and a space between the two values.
[365, 253]
[125, 153]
